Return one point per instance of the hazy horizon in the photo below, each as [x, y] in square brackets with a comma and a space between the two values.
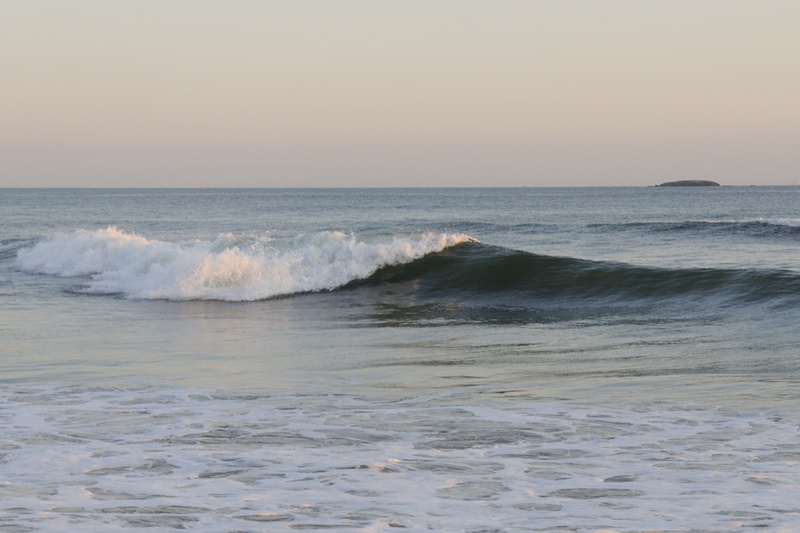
[411, 94]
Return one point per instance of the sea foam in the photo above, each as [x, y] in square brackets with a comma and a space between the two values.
[97, 460]
[232, 267]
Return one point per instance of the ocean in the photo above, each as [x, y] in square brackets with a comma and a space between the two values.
[450, 360]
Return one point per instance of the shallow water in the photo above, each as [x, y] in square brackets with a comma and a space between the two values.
[462, 460]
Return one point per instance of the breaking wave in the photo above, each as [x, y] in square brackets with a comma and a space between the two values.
[232, 267]
[428, 265]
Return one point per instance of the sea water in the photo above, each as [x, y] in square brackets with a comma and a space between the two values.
[477, 360]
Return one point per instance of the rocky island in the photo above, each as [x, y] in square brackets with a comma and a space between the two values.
[690, 183]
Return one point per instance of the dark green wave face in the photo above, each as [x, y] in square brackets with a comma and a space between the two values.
[482, 275]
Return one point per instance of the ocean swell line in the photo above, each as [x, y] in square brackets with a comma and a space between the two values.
[753, 227]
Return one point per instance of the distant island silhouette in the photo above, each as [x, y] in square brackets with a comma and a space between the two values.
[690, 183]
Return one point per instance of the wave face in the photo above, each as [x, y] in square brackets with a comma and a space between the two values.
[232, 267]
[517, 277]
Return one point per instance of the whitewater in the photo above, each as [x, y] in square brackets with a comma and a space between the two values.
[235, 268]
[459, 360]
[106, 460]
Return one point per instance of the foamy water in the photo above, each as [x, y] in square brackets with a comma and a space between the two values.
[233, 268]
[152, 460]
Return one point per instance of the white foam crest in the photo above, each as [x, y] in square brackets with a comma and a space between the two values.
[783, 221]
[791, 222]
[82, 253]
[234, 268]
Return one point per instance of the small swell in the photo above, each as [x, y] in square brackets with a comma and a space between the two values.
[756, 227]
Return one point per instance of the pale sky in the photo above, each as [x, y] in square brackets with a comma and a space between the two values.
[258, 93]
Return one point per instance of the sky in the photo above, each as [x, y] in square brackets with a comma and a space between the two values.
[465, 93]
